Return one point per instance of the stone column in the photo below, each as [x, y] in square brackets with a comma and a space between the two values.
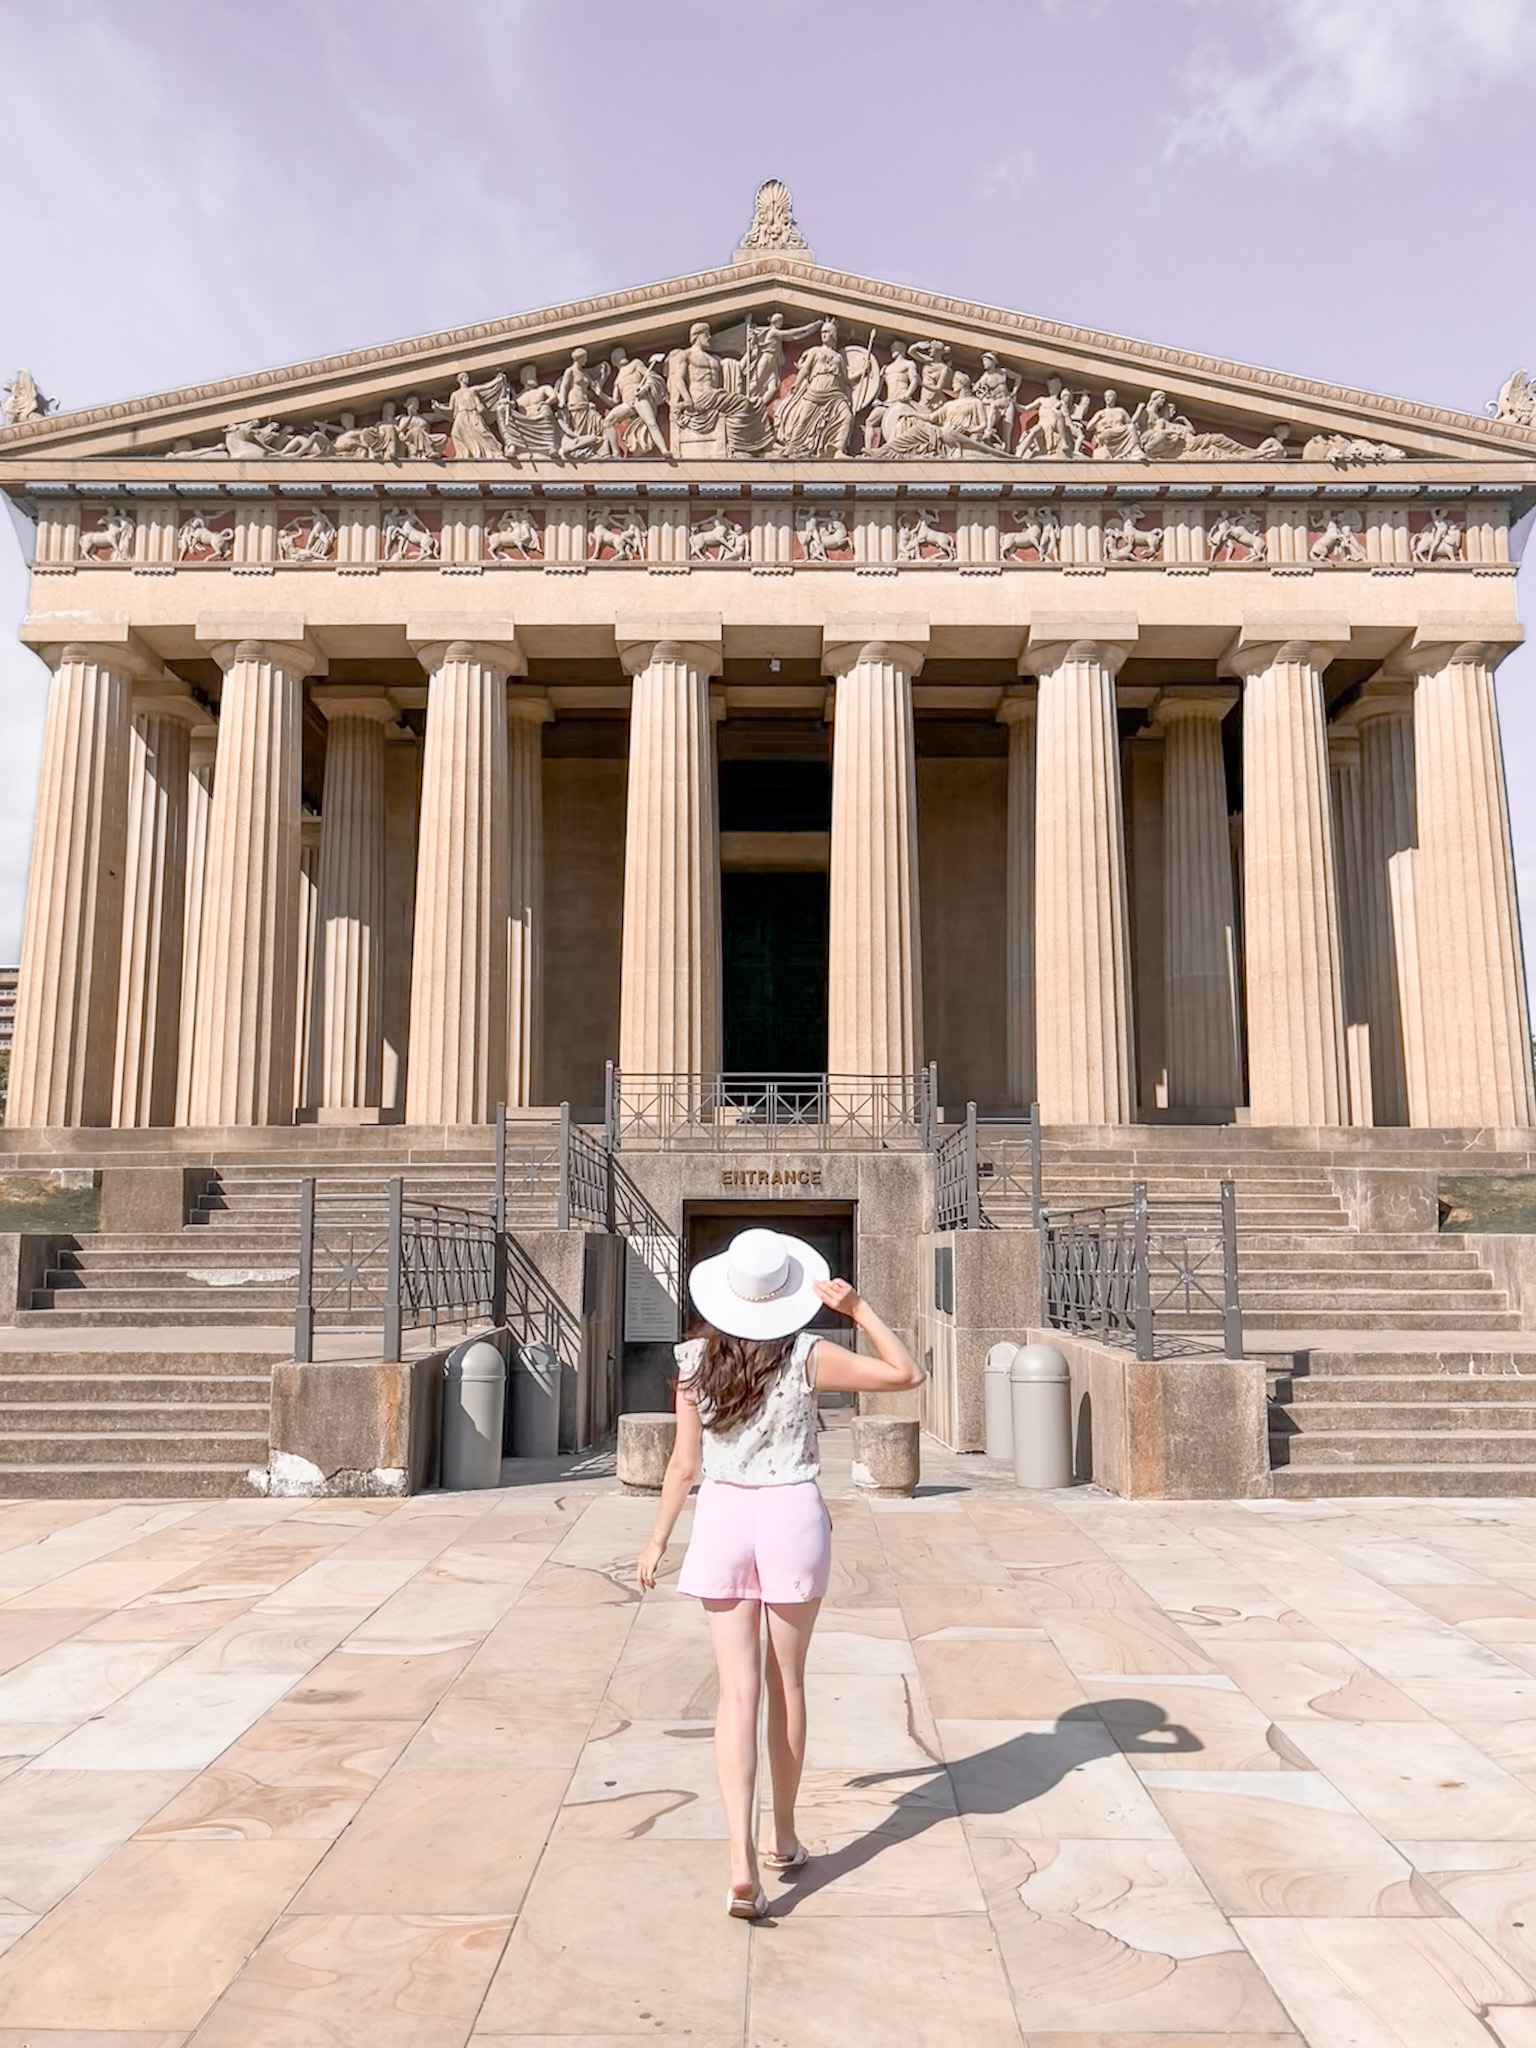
[71, 947]
[669, 977]
[1083, 1037]
[402, 804]
[527, 715]
[306, 1011]
[1477, 1034]
[1017, 711]
[456, 1070]
[875, 973]
[1204, 1056]
[243, 1037]
[349, 965]
[154, 914]
[1382, 715]
[1291, 939]
[1349, 876]
[202, 750]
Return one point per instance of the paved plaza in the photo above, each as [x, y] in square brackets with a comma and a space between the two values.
[1082, 1774]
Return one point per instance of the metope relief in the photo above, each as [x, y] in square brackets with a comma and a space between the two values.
[205, 537]
[310, 536]
[1036, 536]
[616, 534]
[405, 536]
[822, 535]
[515, 536]
[717, 538]
[1442, 538]
[1127, 540]
[1237, 537]
[766, 387]
[111, 538]
[925, 536]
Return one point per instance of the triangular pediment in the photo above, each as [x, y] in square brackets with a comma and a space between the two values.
[906, 378]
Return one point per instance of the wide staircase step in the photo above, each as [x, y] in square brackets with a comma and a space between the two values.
[1401, 1422]
[122, 1424]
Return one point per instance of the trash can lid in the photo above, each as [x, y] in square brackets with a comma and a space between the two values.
[1000, 1357]
[1039, 1362]
[477, 1360]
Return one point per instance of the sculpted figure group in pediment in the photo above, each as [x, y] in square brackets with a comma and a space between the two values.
[764, 388]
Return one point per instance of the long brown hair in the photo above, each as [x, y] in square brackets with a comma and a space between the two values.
[734, 1375]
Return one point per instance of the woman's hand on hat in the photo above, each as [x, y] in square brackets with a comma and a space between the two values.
[838, 1296]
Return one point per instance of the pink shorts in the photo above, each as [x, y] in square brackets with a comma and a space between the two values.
[770, 1543]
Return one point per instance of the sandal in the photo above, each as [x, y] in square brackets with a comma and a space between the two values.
[801, 1856]
[753, 1908]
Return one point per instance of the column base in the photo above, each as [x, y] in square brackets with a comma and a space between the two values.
[352, 1118]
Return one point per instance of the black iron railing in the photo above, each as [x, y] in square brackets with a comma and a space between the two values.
[1161, 1285]
[813, 1112]
[419, 1265]
[970, 1164]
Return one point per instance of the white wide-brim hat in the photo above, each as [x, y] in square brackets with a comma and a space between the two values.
[760, 1286]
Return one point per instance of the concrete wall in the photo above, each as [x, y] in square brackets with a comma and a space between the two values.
[583, 906]
[996, 1298]
[962, 829]
[1169, 1428]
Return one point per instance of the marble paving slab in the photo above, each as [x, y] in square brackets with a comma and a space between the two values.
[1081, 1773]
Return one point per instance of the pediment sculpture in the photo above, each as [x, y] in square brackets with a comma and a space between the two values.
[773, 388]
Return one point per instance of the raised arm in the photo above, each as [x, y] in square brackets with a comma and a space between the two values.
[841, 1371]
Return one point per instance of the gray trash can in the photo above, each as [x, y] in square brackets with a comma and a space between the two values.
[997, 1401]
[1041, 1390]
[474, 1399]
[536, 1402]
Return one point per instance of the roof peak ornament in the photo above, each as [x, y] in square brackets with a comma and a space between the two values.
[773, 228]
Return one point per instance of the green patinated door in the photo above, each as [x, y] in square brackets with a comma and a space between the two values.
[774, 928]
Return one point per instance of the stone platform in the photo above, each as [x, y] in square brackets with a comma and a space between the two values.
[1082, 1774]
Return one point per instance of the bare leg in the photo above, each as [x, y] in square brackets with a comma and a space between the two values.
[735, 1628]
[789, 1638]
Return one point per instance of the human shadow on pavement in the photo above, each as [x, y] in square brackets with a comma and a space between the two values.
[993, 1781]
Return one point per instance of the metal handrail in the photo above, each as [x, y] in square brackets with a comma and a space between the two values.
[855, 1111]
[1115, 1272]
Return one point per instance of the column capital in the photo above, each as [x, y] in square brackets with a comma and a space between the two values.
[337, 701]
[1183, 702]
[1445, 641]
[97, 637]
[848, 638]
[432, 646]
[532, 706]
[1264, 643]
[1343, 748]
[1052, 640]
[1017, 704]
[1383, 696]
[281, 638]
[164, 697]
[689, 639]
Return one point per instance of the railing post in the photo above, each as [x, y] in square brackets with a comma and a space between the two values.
[1036, 1194]
[563, 1198]
[394, 1273]
[499, 1224]
[610, 1106]
[972, 1177]
[304, 1314]
[1141, 1276]
[1231, 1303]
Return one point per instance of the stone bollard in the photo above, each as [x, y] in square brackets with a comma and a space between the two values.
[645, 1444]
[887, 1460]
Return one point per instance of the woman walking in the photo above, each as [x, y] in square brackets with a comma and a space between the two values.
[746, 1398]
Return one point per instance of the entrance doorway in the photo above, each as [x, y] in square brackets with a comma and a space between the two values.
[774, 956]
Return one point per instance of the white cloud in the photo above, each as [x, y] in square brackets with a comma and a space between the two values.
[1351, 72]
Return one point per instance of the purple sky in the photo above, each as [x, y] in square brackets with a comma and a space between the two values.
[1339, 188]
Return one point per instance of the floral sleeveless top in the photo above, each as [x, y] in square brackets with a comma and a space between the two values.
[776, 1446]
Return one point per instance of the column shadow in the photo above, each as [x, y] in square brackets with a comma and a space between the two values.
[993, 1781]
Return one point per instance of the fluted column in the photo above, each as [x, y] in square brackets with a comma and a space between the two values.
[1017, 712]
[1291, 940]
[1382, 715]
[456, 1072]
[154, 909]
[527, 715]
[1083, 1040]
[875, 973]
[669, 977]
[349, 965]
[201, 753]
[1349, 880]
[306, 1010]
[1199, 927]
[66, 1004]
[243, 1036]
[1477, 1035]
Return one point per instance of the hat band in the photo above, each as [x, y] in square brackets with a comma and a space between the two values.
[772, 1294]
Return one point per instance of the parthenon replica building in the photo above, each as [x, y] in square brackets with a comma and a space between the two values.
[771, 671]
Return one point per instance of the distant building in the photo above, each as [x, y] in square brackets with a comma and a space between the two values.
[7, 1005]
